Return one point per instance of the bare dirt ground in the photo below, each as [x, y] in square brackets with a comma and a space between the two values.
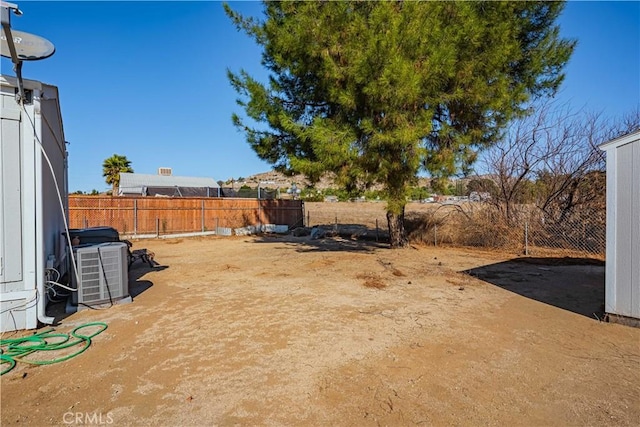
[282, 331]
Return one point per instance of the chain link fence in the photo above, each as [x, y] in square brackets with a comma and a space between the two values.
[480, 224]
[530, 232]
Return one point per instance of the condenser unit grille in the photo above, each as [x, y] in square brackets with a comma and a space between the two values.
[102, 270]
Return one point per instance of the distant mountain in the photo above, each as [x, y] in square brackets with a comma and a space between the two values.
[275, 179]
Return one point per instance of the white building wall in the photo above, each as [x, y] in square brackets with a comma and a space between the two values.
[622, 295]
[31, 220]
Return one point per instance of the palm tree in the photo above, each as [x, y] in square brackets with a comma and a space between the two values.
[111, 169]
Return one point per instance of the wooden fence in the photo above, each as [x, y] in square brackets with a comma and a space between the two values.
[146, 215]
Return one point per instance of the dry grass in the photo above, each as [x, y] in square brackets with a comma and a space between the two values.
[462, 225]
[370, 280]
[468, 225]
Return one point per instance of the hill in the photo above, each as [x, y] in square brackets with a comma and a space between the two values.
[275, 179]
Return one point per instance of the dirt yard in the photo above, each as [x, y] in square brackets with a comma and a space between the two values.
[284, 331]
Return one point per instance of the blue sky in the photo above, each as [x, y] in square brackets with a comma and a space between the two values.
[148, 79]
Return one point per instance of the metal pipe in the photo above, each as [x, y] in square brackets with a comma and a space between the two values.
[435, 235]
[6, 26]
[135, 216]
[39, 242]
[526, 238]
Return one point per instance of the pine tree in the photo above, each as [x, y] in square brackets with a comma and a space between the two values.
[378, 91]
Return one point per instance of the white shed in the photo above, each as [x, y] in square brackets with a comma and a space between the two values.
[33, 201]
[622, 294]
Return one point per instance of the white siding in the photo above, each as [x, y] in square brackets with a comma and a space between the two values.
[11, 206]
[31, 219]
[622, 295]
[634, 220]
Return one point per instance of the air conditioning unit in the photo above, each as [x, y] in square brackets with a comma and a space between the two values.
[102, 273]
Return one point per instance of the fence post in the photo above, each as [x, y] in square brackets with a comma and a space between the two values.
[435, 235]
[135, 217]
[377, 235]
[86, 223]
[157, 227]
[308, 224]
[217, 225]
[526, 237]
[203, 215]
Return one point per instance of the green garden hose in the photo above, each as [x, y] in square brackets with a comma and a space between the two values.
[13, 350]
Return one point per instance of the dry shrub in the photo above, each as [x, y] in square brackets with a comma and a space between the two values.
[462, 225]
[420, 226]
[485, 228]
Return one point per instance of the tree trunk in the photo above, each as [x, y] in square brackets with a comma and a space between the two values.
[397, 234]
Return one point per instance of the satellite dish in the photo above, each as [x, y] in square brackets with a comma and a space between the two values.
[29, 47]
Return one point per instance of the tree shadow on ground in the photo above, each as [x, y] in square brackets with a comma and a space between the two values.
[343, 238]
[573, 284]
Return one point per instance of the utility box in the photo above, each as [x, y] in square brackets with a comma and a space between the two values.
[102, 273]
[33, 201]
